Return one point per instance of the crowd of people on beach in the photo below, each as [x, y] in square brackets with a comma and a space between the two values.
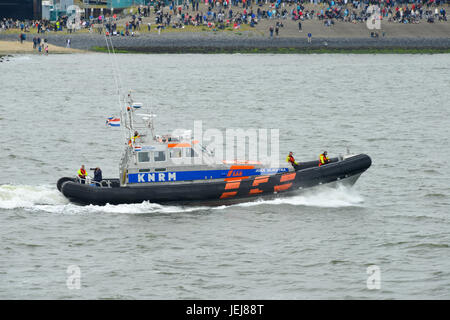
[221, 14]
[39, 26]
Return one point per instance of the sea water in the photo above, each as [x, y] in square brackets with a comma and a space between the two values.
[323, 243]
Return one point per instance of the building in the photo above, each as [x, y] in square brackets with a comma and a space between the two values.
[63, 5]
[21, 9]
[47, 7]
[54, 9]
[126, 3]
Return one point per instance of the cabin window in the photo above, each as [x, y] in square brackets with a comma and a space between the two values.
[190, 153]
[143, 157]
[160, 155]
[175, 153]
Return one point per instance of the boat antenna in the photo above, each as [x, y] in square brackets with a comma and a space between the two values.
[117, 78]
[112, 56]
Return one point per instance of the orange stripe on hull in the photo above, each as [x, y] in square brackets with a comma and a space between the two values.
[255, 191]
[241, 167]
[235, 179]
[288, 177]
[258, 180]
[178, 145]
[231, 173]
[282, 187]
[232, 185]
[228, 194]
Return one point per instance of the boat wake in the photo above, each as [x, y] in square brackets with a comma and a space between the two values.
[46, 198]
[324, 197]
[24, 196]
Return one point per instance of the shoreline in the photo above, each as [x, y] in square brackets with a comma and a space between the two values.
[282, 50]
[213, 43]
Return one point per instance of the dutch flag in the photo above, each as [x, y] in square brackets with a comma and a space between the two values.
[113, 122]
[137, 148]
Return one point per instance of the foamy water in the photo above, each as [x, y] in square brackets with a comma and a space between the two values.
[29, 197]
[316, 244]
[324, 196]
[48, 199]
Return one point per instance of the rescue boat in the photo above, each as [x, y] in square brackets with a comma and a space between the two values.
[178, 169]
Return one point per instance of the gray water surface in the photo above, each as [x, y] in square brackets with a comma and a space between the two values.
[314, 245]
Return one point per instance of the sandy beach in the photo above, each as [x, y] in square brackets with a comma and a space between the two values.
[15, 47]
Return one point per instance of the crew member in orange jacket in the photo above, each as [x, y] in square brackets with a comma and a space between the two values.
[323, 159]
[82, 174]
[291, 160]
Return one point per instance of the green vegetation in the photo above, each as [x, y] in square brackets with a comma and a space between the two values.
[105, 49]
